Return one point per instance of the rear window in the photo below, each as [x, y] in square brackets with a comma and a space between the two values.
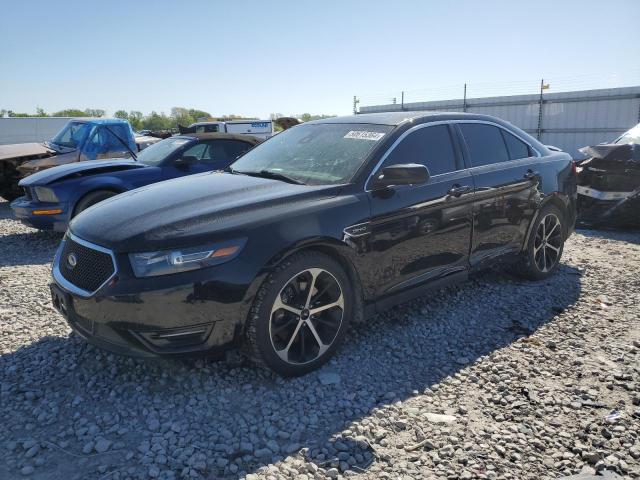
[485, 143]
[516, 147]
[429, 146]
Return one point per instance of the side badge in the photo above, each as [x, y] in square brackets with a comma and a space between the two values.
[357, 230]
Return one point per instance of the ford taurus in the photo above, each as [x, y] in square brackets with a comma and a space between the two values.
[318, 227]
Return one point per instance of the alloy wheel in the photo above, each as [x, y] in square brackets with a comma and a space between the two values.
[547, 244]
[306, 316]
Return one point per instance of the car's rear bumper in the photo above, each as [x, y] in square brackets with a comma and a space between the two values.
[41, 215]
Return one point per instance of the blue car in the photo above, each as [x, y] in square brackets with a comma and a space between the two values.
[54, 196]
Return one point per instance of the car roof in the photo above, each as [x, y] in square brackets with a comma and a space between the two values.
[396, 118]
[101, 121]
[221, 136]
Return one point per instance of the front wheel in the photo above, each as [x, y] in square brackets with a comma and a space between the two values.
[91, 199]
[545, 246]
[300, 314]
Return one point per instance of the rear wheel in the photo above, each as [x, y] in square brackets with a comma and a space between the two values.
[91, 199]
[546, 244]
[300, 314]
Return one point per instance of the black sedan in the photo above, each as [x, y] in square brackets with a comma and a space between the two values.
[321, 225]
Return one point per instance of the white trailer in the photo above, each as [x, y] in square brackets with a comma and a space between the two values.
[31, 129]
[258, 128]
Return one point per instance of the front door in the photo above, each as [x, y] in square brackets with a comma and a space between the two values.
[506, 181]
[422, 232]
[209, 155]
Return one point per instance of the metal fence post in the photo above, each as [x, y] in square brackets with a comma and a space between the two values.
[464, 99]
[540, 110]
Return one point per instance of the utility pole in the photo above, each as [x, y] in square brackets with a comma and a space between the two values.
[543, 87]
[355, 105]
[402, 101]
[464, 99]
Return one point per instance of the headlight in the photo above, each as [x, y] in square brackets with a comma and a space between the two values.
[44, 194]
[164, 262]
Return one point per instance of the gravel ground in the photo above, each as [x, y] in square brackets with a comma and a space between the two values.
[494, 378]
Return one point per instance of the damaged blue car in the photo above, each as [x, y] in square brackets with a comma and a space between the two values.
[54, 196]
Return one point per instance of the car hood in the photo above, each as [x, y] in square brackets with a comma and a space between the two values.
[89, 167]
[21, 150]
[192, 210]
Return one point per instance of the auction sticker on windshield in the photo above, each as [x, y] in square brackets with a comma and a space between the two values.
[362, 135]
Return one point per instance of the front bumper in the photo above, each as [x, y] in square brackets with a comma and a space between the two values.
[616, 209]
[201, 311]
[24, 208]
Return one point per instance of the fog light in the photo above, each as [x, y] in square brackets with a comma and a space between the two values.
[175, 338]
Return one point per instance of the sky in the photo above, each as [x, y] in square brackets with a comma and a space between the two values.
[255, 58]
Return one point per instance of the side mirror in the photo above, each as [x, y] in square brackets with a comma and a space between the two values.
[184, 162]
[401, 174]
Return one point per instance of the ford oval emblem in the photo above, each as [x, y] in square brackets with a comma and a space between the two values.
[72, 261]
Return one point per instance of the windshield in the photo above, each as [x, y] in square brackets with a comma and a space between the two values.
[154, 154]
[632, 136]
[72, 135]
[318, 154]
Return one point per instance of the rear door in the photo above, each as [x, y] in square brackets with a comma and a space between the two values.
[422, 232]
[506, 180]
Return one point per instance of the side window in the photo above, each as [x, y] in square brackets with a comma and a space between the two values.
[223, 152]
[198, 151]
[485, 143]
[112, 142]
[94, 146]
[429, 146]
[516, 147]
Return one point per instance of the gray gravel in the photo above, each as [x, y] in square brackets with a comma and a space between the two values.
[494, 378]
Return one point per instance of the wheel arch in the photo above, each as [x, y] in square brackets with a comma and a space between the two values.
[558, 200]
[98, 188]
[329, 246]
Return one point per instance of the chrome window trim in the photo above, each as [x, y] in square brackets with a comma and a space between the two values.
[66, 284]
[537, 153]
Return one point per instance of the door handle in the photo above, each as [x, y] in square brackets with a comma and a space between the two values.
[531, 175]
[457, 190]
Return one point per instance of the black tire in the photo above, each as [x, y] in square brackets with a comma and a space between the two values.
[540, 259]
[303, 333]
[91, 199]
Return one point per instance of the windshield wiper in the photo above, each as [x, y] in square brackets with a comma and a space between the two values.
[268, 174]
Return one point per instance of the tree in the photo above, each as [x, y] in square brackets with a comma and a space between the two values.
[69, 112]
[41, 113]
[307, 117]
[157, 121]
[135, 119]
[181, 116]
[121, 114]
[198, 114]
[94, 112]
[3, 112]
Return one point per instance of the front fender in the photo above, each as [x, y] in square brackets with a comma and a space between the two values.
[74, 191]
